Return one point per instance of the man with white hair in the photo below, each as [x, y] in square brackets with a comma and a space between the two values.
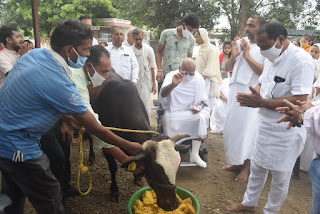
[129, 42]
[147, 65]
[184, 98]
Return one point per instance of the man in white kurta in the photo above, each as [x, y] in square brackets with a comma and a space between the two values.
[123, 60]
[288, 74]
[247, 66]
[183, 97]
[147, 64]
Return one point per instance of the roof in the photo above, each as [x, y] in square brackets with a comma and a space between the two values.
[119, 24]
[294, 32]
[115, 22]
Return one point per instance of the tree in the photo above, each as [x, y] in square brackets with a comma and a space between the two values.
[7, 14]
[55, 10]
[238, 11]
[163, 14]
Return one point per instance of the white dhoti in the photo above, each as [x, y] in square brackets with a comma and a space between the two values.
[186, 122]
[219, 111]
[218, 117]
[145, 95]
[238, 128]
[211, 100]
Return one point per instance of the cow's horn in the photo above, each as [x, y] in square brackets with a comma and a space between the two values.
[179, 137]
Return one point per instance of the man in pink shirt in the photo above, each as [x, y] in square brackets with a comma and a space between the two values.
[11, 39]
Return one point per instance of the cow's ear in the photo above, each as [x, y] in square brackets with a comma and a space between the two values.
[138, 158]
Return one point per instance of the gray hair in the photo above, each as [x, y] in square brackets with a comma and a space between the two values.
[130, 30]
[137, 31]
[115, 28]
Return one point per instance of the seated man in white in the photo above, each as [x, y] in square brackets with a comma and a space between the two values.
[219, 111]
[183, 97]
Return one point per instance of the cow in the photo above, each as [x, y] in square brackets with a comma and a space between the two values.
[161, 161]
[118, 105]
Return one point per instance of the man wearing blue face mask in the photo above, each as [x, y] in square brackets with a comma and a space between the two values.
[174, 45]
[184, 99]
[288, 74]
[35, 95]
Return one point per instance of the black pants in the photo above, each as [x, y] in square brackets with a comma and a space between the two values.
[58, 153]
[34, 179]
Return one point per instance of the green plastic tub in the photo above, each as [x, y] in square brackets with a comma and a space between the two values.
[183, 194]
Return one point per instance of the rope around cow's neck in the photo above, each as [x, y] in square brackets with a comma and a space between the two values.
[82, 168]
[133, 130]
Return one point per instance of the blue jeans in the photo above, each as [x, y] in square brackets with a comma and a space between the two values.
[314, 175]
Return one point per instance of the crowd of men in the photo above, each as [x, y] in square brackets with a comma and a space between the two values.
[49, 89]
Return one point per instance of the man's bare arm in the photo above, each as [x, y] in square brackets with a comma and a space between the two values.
[160, 75]
[167, 90]
[255, 66]
[176, 79]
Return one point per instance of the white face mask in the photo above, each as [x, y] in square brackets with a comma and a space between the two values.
[272, 53]
[186, 32]
[96, 79]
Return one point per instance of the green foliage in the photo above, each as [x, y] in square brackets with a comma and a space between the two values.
[163, 14]
[284, 11]
[52, 11]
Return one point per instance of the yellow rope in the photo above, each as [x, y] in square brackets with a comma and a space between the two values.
[132, 130]
[82, 168]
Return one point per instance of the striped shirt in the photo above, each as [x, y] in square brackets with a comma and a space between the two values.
[33, 97]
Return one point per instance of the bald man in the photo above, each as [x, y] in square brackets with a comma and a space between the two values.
[130, 41]
[184, 98]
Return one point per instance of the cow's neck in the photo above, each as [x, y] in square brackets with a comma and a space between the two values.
[166, 198]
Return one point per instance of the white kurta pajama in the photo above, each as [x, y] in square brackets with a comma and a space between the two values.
[219, 111]
[240, 121]
[178, 118]
[276, 148]
[146, 59]
[208, 65]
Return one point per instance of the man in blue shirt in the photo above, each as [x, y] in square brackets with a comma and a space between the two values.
[35, 94]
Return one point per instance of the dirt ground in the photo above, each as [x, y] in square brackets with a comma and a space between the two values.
[214, 187]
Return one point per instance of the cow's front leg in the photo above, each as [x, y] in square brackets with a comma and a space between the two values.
[113, 170]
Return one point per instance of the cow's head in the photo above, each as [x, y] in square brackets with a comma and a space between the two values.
[161, 162]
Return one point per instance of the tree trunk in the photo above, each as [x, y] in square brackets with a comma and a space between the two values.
[244, 11]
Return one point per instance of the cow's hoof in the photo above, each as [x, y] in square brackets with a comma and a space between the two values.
[91, 161]
[138, 181]
[115, 197]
